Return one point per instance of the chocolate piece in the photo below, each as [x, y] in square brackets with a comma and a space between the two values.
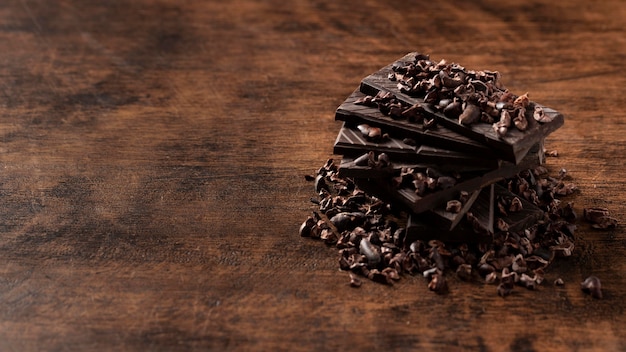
[440, 137]
[481, 216]
[360, 167]
[422, 226]
[599, 217]
[438, 283]
[438, 218]
[448, 219]
[351, 142]
[427, 201]
[592, 286]
[518, 220]
[509, 147]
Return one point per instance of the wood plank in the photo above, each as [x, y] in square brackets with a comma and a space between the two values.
[449, 220]
[153, 156]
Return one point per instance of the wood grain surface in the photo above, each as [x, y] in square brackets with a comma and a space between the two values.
[152, 161]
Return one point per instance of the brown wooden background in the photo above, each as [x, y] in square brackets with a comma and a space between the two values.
[152, 161]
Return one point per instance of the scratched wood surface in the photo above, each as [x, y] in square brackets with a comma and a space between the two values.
[152, 161]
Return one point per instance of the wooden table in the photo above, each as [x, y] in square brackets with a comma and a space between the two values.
[152, 164]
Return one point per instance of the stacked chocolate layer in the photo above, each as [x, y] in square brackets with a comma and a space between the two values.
[436, 138]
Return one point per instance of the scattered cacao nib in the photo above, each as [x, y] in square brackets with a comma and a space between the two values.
[516, 205]
[438, 283]
[371, 253]
[373, 242]
[600, 218]
[464, 272]
[491, 278]
[465, 95]
[307, 225]
[552, 153]
[355, 281]
[504, 289]
[528, 282]
[391, 273]
[379, 277]
[470, 114]
[592, 286]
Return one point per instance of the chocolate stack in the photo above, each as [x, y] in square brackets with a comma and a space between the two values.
[436, 139]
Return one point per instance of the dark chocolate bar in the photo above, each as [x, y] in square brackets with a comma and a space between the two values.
[522, 219]
[438, 218]
[448, 220]
[511, 147]
[419, 204]
[481, 216]
[441, 136]
[421, 226]
[350, 167]
[351, 142]
[478, 223]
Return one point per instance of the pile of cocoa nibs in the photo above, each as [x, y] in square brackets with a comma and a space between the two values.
[375, 241]
[443, 173]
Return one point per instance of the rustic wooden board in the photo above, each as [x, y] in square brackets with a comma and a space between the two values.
[152, 158]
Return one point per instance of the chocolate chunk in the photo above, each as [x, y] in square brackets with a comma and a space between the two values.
[449, 220]
[351, 142]
[419, 203]
[425, 226]
[441, 137]
[528, 215]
